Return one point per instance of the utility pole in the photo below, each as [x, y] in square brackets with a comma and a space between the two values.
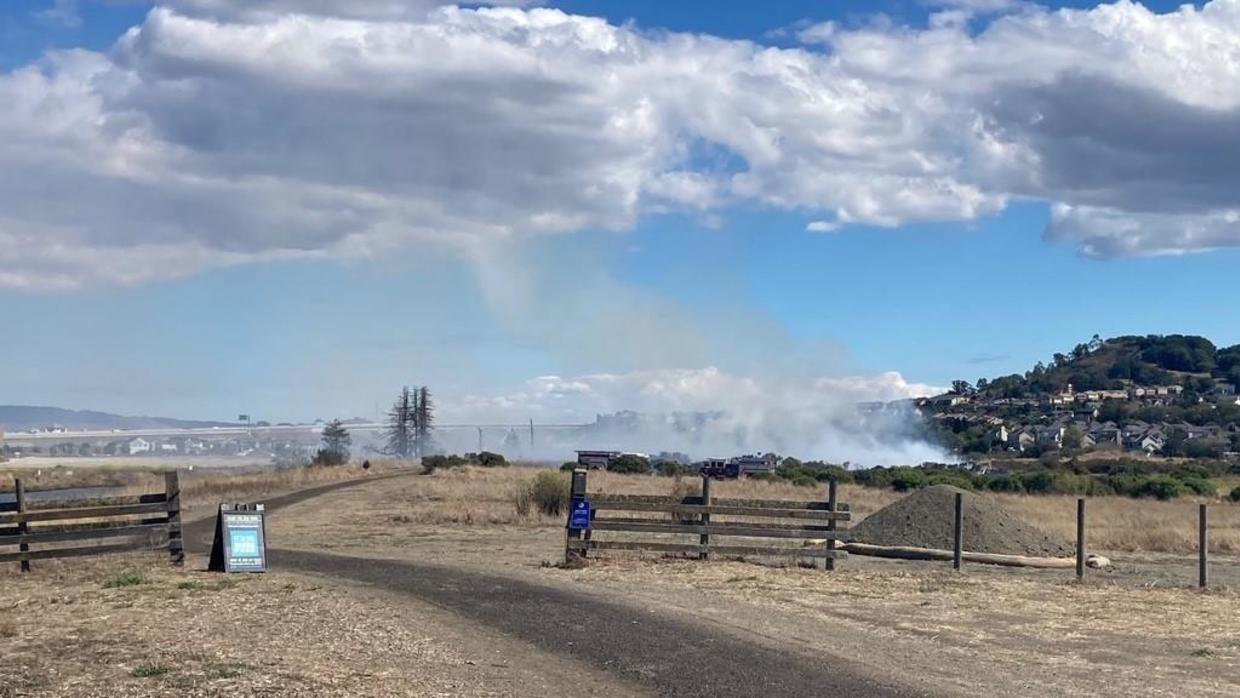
[479, 439]
[531, 435]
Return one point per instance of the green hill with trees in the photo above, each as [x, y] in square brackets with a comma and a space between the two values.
[1113, 364]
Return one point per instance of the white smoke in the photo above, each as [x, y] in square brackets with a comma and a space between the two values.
[710, 413]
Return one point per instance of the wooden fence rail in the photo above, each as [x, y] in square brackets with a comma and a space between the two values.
[140, 522]
[700, 517]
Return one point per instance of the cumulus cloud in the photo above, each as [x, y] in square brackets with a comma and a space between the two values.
[219, 132]
[372, 10]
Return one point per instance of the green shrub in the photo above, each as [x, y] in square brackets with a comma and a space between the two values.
[148, 671]
[874, 477]
[569, 466]
[1005, 483]
[629, 463]
[1069, 483]
[950, 477]
[1099, 487]
[1162, 487]
[1037, 482]
[126, 578]
[905, 479]
[1235, 494]
[488, 459]
[671, 468]
[548, 493]
[804, 480]
[824, 473]
[1200, 486]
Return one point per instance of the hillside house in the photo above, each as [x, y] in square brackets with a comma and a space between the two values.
[1049, 437]
[1106, 437]
[1022, 439]
[945, 400]
[1151, 440]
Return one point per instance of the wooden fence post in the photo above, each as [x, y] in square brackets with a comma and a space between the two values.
[1203, 546]
[832, 502]
[176, 543]
[958, 532]
[22, 527]
[704, 539]
[1080, 538]
[577, 492]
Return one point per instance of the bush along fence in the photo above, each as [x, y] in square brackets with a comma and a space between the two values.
[108, 525]
[814, 524]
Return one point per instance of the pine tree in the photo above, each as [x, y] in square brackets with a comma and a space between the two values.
[336, 442]
[424, 421]
[402, 433]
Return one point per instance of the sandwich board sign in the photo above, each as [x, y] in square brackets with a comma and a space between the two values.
[240, 543]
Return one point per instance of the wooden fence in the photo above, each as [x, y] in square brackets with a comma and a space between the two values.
[111, 524]
[817, 521]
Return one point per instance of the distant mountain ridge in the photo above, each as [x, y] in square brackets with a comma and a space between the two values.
[19, 418]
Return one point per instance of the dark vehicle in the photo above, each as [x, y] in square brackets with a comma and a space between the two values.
[733, 468]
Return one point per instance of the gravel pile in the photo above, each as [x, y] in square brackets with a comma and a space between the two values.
[924, 518]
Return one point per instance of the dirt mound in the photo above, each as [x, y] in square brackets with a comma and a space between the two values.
[924, 520]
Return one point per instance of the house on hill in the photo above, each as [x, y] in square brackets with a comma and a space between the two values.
[1106, 437]
[1150, 440]
[1022, 439]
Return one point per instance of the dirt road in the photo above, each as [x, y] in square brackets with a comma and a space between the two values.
[662, 653]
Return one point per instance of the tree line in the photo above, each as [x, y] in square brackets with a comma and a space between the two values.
[408, 434]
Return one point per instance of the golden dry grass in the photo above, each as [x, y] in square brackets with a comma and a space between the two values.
[1125, 524]
[484, 496]
[66, 631]
[201, 487]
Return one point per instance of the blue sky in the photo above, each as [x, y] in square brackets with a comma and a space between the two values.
[305, 325]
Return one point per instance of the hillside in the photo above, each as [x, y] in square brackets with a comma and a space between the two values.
[1115, 364]
[16, 418]
[1171, 395]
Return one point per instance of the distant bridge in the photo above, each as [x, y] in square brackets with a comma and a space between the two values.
[20, 439]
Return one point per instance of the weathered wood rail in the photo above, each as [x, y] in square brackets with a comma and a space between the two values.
[700, 516]
[112, 524]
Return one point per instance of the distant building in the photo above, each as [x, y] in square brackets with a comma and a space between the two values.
[138, 445]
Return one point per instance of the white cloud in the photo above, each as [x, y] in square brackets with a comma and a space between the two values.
[220, 132]
[822, 226]
[61, 12]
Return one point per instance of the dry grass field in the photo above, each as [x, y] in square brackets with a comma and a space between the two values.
[131, 626]
[134, 626]
[201, 488]
[988, 630]
[485, 496]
